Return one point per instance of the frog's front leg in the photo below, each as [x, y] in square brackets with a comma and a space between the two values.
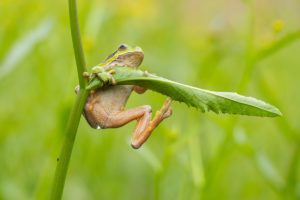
[106, 77]
[144, 126]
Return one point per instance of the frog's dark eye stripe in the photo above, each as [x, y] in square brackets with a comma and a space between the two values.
[111, 55]
[122, 47]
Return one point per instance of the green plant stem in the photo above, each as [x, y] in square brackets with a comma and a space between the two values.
[77, 44]
[276, 46]
[74, 119]
[66, 151]
[253, 58]
[291, 180]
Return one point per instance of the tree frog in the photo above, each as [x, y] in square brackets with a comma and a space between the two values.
[104, 107]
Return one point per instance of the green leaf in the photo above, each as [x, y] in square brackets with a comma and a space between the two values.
[204, 100]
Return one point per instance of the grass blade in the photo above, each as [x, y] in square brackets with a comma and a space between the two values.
[23, 46]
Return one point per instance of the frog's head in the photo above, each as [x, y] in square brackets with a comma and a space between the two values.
[129, 56]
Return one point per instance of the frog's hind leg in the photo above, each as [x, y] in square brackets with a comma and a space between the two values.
[118, 119]
[144, 126]
[141, 133]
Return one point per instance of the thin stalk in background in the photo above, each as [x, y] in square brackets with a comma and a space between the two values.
[252, 58]
[74, 119]
[227, 145]
[293, 137]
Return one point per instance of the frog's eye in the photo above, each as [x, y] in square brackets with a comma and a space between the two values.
[122, 47]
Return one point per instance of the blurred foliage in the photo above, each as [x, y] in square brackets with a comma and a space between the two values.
[244, 46]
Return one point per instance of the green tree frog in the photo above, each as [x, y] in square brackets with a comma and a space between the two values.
[104, 107]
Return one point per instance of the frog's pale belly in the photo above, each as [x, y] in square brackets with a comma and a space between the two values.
[114, 98]
[105, 102]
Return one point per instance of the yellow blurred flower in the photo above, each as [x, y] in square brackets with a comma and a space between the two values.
[277, 25]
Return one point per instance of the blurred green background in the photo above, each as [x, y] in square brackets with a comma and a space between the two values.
[249, 47]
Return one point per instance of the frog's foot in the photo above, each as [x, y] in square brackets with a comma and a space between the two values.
[112, 80]
[94, 100]
[106, 77]
[163, 113]
[77, 89]
[92, 93]
[86, 75]
[112, 71]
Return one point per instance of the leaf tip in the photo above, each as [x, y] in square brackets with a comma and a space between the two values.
[278, 113]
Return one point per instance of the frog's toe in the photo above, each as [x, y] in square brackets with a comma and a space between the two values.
[113, 81]
[168, 113]
[77, 89]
